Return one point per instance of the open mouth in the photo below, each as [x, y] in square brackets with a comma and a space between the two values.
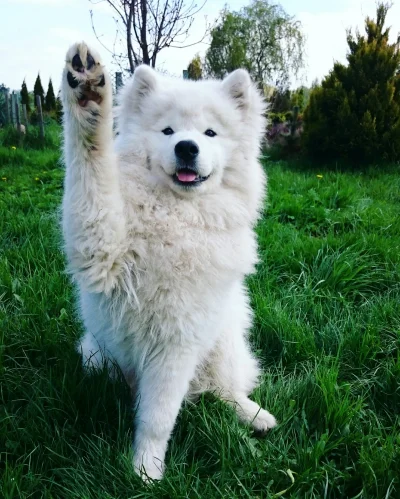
[188, 177]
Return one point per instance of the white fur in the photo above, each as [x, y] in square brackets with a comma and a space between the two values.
[160, 269]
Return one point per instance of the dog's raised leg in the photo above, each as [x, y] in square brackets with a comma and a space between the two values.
[93, 219]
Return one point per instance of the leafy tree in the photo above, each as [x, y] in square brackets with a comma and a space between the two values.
[262, 38]
[38, 90]
[195, 68]
[50, 98]
[25, 96]
[228, 48]
[355, 113]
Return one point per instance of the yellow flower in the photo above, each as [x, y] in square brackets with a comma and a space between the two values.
[319, 176]
[13, 147]
[3, 178]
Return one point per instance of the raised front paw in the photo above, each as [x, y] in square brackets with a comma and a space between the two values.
[85, 82]
[87, 99]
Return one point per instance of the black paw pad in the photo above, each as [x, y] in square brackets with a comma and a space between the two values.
[90, 62]
[77, 64]
[73, 83]
[102, 81]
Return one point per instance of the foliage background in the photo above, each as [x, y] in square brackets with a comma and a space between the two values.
[355, 113]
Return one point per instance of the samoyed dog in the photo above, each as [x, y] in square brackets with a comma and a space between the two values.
[159, 236]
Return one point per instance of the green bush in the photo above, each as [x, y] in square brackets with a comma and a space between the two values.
[355, 114]
[276, 118]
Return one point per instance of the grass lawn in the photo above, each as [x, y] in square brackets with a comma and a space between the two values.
[327, 328]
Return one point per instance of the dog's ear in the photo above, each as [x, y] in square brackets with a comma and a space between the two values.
[144, 81]
[131, 97]
[238, 86]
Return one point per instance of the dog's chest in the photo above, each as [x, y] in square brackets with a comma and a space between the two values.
[172, 243]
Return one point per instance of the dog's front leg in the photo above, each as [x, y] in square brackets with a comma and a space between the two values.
[162, 387]
[93, 217]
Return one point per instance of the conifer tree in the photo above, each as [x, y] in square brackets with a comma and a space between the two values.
[38, 90]
[50, 98]
[195, 68]
[355, 113]
[25, 96]
[280, 101]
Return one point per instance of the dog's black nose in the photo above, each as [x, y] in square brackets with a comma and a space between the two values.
[187, 150]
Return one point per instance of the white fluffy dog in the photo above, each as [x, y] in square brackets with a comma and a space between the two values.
[158, 228]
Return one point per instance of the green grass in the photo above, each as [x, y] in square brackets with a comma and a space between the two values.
[9, 137]
[327, 328]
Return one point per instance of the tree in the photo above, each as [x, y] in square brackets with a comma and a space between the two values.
[195, 68]
[280, 101]
[300, 98]
[38, 90]
[262, 38]
[50, 98]
[229, 46]
[25, 96]
[147, 27]
[355, 113]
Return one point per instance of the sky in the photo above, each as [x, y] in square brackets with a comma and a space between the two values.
[35, 34]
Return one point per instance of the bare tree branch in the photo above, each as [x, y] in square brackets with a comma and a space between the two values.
[149, 26]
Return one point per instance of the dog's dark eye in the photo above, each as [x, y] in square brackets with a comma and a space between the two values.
[167, 131]
[210, 133]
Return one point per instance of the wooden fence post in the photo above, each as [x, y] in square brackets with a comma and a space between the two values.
[25, 116]
[8, 117]
[118, 81]
[17, 117]
[295, 116]
[39, 108]
[12, 111]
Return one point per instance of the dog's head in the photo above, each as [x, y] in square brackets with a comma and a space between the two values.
[189, 132]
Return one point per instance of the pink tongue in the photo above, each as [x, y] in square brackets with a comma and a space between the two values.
[186, 177]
